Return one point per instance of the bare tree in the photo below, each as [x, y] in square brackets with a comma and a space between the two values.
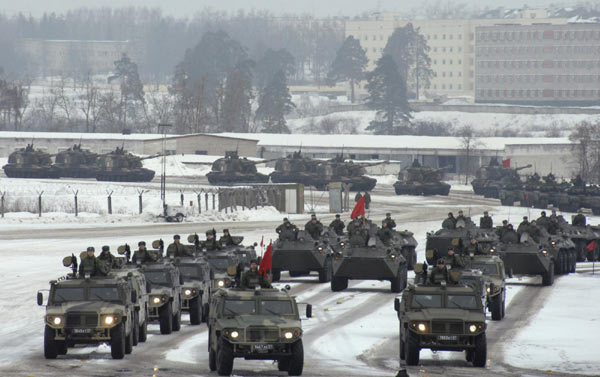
[64, 102]
[88, 103]
[109, 104]
[470, 144]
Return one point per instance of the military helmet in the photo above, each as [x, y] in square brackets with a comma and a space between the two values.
[337, 216]
[388, 214]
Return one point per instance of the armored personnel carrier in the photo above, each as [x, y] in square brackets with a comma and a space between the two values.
[262, 324]
[294, 168]
[369, 259]
[122, 166]
[421, 180]
[493, 270]
[585, 238]
[196, 287]
[76, 162]
[405, 241]
[301, 255]
[488, 179]
[441, 317]
[524, 256]
[340, 170]
[165, 295]
[89, 310]
[232, 169]
[30, 163]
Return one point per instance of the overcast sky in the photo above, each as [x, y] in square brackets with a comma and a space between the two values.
[183, 8]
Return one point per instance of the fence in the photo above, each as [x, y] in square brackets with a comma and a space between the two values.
[285, 198]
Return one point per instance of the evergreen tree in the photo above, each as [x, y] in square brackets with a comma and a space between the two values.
[236, 110]
[387, 95]
[274, 103]
[411, 54]
[132, 89]
[349, 64]
[272, 62]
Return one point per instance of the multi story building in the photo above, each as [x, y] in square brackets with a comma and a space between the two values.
[539, 64]
[451, 42]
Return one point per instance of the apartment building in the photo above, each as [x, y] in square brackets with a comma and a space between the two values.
[538, 64]
[451, 42]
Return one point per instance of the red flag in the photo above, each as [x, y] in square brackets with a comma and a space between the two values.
[506, 163]
[591, 246]
[266, 262]
[262, 241]
[359, 208]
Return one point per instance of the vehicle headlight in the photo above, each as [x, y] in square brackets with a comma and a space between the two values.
[55, 320]
[320, 250]
[188, 292]
[342, 244]
[544, 252]
[288, 335]
[220, 283]
[393, 256]
[488, 290]
[110, 319]
[235, 334]
[156, 300]
[472, 328]
[422, 327]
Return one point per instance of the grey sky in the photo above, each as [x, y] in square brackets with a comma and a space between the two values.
[183, 8]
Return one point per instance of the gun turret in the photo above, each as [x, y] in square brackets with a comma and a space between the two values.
[523, 167]
[374, 164]
[263, 161]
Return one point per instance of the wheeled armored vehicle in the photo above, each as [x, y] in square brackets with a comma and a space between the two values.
[301, 255]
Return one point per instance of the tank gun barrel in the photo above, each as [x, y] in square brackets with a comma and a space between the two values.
[153, 156]
[374, 164]
[264, 161]
[523, 167]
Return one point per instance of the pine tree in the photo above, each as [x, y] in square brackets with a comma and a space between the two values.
[131, 86]
[387, 95]
[349, 64]
[236, 109]
[274, 103]
[271, 62]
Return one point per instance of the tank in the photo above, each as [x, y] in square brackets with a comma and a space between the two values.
[488, 179]
[294, 168]
[30, 163]
[371, 261]
[122, 166]
[348, 172]
[421, 180]
[76, 163]
[232, 169]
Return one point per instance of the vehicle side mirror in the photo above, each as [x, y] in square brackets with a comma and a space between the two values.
[308, 311]
[40, 298]
[133, 297]
[396, 304]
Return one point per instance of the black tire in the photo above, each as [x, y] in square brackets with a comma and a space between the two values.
[283, 364]
[402, 346]
[275, 275]
[326, 272]
[548, 277]
[129, 342]
[212, 360]
[224, 358]
[205, 309]
[411, 259]
[166, 319]
[144, 331]
[62, 347]
[469, 355]
[50, 345]
[338, 284]
[297, 359]
[195, 311]
[480, 351]
[503, 306]
[177, 321]
[496, 307]
[296, 274]
[117, 342]
[411, 349]
[136, 329]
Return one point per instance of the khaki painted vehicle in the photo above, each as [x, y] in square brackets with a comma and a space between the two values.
[441, 317]
[244, 253]
[225, 265]
[261, 324]
[494, 275]
[302, 255]
[165, 295]
[196, 287]
[90, 310]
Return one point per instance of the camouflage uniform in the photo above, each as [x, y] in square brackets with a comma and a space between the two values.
[384, 234]
[106, 257]
[439, 274]
[455, 261]
[579, 220]
[287, 231]
[143, 256]
[88, 265]
[534, 232]
[391, 224]
[211, 244]
[314, 229]
[176, 249]
[449, 223]
[523, 226]
[359, 237]
[367, 200]
[251, 279]
[553, 226]
[474, 248]
[353, 226]
[338, 225]
[486, 222]
[226, 240]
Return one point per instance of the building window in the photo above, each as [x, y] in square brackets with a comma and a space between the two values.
[450, 74]
[460, 74]
[366, 37]
[435, 36]
[459, 61]
[434, 61]
[443, 86]
[434, 86]
[443, 74]
[443, 61]
[450, 61]
[450, 36]
[374, 37]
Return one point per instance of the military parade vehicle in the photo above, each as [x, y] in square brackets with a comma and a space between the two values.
[89, 310]
[30, 163]
[494, 275]
[232, 169]
[346, 172]
[586, 239]
[225, 265]
[196, 287]
[122, 166]
[441, 317]
[294, 168]
[421, 180]
[368, 259]
[524, 256]
[302, 254]
[244, 253]
[405, 241]
[76, 162]
[489, 179]
[255, 324]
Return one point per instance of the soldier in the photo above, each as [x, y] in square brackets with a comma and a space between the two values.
[176, 249]
[338, 225]
[106, 256]
[554, 215]
[391, 224]
[314, 227]
[543, 220]
[473, 247]
[287, 230]
[486, 221]
[439, 273]
[384, 233]
[211, 243]
[359, 237]
[461, 216]
[367, 200]
[355, 224]
[510, 236]
[251, 278]
[449, 222]
[579, 219]
[142, 255]
[501, 230]
[226, 238]
[534, 231]
[523, 226]
[89, 264]
[553, 226]
[453, 260]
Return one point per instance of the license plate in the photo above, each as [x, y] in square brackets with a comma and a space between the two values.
[263, 348]
[447, 337]
[82, 331]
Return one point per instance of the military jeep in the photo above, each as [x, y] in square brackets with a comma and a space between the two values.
[221, 262]
[90, 310]
[165, 295]
[441, 317]
[494, 275]
[261, 324]
[196, 287]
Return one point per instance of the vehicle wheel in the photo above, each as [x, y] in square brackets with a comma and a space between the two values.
[326, 272]
[136, 329]
[296, 360]
[205, 309]
[469, 355]
[411, 349]
[480, 352]
[402, 346]
[166, 319]
[129, 342]
[212, 360]
[412, 259]
[503, 306]
[338, 284]
[179, 217]
[224, 358]
[195, 311]
[548, 277]
[117, 342]
[496, 308]
[177, 321]
[296, 274]
[144, 331]
[283, 364]
[50, 345]
[61, 347]
[276, 275]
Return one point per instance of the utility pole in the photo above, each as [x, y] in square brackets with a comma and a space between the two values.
[417, 65]
[163, 175]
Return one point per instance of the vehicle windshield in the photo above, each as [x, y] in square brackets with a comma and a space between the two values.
[104, 294]
[486, 268]
[158, 277]
[278, 307]
[219, 264]
[462, 301]
[426, 301]
[190, 271]
[234, 307]
[64, 294]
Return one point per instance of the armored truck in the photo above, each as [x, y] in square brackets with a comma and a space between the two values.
[494, 275]
[195, 272]
[301, 255]
[165, 295]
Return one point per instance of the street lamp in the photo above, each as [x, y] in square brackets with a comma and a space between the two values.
[163, 175]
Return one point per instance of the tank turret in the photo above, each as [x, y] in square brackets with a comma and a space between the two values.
[232, 169]
[421, 180]
[76, 162]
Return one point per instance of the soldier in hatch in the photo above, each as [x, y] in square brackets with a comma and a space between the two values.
[338, 225]
[287, 230]
[384, 233]
[439, 273]
[314, 227]
[453, 260]
[106, 256]
[142, 255]
[449, 222]
[226, 238]
[211, 243]
[252, 278]
[391, 224]
[89, 264]
[473, 247]
[579, 219]
[176, 249]
[486, 221]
